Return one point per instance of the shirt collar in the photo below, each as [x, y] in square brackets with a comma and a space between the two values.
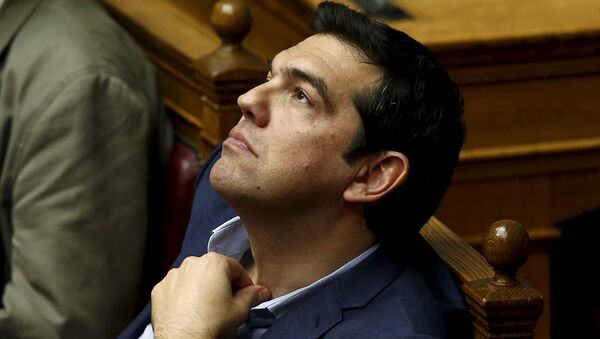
[279, 305]
[231, 239]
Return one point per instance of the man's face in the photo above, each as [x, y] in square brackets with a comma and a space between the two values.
[288, 146]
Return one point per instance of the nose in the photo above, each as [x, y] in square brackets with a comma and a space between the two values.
[255, 105]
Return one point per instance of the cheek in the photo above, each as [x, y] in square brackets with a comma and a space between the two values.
[308, 144]
[315, 154]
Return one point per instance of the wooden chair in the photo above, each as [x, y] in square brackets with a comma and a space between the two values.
[201, 80]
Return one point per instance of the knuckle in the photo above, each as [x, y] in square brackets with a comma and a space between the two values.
[212, 256]
[188, 261]
[215, 260]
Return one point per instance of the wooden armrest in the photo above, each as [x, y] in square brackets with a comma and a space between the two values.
[501, 305]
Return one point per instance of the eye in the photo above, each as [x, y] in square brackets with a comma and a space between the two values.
[301, 96]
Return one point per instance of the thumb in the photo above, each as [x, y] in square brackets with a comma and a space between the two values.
[248, 297]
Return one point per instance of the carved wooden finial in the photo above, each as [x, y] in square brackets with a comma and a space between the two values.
[505, 247]
[504, 306]
[231, 62]
[231, 19]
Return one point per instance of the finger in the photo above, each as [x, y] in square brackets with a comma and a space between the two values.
[238, 275]
[248, 297]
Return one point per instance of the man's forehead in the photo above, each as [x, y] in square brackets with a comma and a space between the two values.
[325, 54]
[317, 49]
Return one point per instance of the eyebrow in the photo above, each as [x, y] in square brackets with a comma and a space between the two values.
[315, 81]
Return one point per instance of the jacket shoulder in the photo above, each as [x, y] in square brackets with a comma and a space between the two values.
[64, 38]
[423, 301]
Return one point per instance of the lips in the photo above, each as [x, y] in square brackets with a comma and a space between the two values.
[238, 140]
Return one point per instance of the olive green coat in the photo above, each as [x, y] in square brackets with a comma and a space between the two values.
[78, 117]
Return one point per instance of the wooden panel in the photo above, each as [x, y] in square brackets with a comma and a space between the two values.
[539, 189]
[470, 21]
[556, 109]
[277, 26]
[526, 200]
[168, 27]
[440, 24]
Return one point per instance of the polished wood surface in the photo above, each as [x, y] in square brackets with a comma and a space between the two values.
[502, 305]
[450, 23]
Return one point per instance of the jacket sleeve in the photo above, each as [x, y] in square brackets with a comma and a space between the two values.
[79, 212]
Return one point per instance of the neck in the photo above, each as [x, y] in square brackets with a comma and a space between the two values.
[293, 251]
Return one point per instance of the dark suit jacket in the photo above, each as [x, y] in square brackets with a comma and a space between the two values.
[407, 297]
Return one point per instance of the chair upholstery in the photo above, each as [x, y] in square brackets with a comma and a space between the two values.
[181, 173]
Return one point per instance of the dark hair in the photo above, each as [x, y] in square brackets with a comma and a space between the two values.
[415, 109]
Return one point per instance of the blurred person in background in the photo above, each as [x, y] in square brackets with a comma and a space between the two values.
[80, 119]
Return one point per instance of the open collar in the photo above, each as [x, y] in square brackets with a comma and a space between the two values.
[324, 309]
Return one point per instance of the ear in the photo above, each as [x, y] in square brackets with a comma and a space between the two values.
[376, 177]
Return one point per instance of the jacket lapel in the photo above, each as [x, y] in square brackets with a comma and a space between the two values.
[314, 316]
[13, 15]
[323, 309]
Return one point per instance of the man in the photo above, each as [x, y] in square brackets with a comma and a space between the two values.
[339, 159]
[79, 116]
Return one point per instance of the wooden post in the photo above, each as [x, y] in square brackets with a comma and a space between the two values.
[201, 73]
[229, 71]
[503, 305]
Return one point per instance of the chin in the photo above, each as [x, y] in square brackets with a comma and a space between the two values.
[224, 180]
[217, 177]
